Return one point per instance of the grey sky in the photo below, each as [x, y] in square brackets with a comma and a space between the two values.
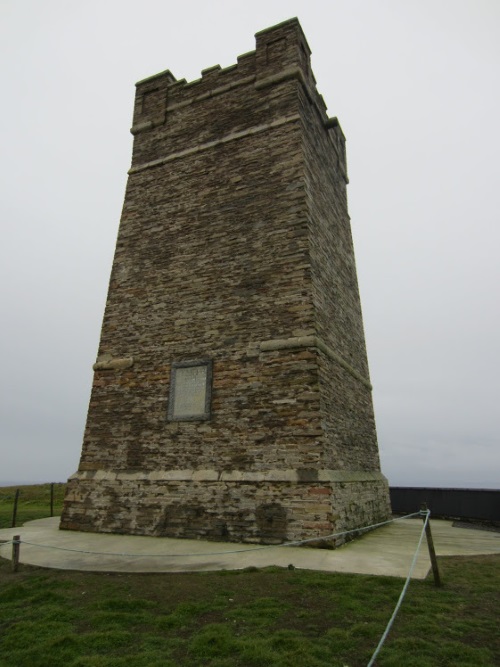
[415, 85]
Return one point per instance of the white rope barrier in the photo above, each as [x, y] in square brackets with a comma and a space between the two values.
[223, 553]
[403, 592]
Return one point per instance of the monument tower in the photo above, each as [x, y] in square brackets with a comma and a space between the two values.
[231, 396]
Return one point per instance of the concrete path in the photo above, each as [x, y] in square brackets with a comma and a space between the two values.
[386, 551]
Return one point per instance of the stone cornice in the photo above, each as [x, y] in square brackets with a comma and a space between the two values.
[233, 136]
[313, 341]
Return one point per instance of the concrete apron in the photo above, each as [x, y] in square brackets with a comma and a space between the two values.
[385, 551]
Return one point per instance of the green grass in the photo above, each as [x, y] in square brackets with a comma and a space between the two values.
[256, 618]
[252, 618]
[34, 503]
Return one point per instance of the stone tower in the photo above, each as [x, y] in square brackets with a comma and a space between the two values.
[231, 397]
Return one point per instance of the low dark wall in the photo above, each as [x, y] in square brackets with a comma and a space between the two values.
[480, 504]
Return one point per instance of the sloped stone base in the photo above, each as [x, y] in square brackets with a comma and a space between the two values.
[267, 508]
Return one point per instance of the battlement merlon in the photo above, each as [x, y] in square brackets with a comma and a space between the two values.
[282, 53]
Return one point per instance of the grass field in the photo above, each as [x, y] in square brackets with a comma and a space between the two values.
[271, 617]
[34, 502]
[255, 618]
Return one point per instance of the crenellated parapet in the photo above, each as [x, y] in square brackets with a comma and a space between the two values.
[281, 60]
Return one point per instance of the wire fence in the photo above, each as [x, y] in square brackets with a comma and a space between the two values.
[19, 504]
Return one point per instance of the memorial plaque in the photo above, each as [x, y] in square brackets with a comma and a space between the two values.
[190, 390]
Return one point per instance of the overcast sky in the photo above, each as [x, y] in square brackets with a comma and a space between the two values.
[415, 85]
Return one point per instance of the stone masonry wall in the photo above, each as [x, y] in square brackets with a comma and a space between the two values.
[348, 418]
[265, 511]
[220, 256]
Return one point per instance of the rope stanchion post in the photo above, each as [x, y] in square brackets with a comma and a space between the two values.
[430, 545]
[16, 546]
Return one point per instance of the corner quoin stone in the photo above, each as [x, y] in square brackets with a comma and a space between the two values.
[234, 248]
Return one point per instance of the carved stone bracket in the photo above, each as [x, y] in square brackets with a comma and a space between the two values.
[106, 362]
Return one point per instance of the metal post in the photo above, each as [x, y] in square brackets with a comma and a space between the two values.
[16, 545]
[52, 499]
[430, 545]
[14, 511]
